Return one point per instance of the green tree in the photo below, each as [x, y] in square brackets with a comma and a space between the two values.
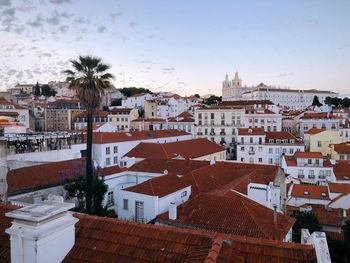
[36, 89]
[116, 102]
[316, 102]
[307, 220]
[130, 91]
[212, 100]
[346, 102]
[197, 95]
[46, 90]
[90, 79]
[336, 101]
[77, 188]
[328, 101]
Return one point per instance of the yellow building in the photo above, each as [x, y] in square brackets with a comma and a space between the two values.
[319, 140]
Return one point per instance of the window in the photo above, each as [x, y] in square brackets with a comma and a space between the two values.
[251, 160]
[125, 204]
[260, 160]
[139, 211]
[242, 149]
[341, 156]
[110, 198]
[317, 161]
[108, 161]
[319, 144]
[260, 149]
[270, 150]
[309, 161]
[184, 193]
[270, 161]
[242, 160]
[108, 150]
[291, 150]
[115, 159]
[251, 139]
[115, 149]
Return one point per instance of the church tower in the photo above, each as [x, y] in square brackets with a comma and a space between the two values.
[237, 82]
[232, 89]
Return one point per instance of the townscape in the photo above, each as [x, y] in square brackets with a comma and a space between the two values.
[174, 131]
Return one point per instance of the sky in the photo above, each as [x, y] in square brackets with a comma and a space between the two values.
[182, 46]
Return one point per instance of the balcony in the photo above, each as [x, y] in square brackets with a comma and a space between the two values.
[300, 176]
[199, 133]
[212, 133]
[222, 133]
[251, 152]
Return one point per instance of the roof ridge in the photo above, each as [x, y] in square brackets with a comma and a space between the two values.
[214, 250]
[165, 152]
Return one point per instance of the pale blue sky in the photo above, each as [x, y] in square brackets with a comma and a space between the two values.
[183, 46]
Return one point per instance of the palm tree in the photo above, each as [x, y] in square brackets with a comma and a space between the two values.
[90, 79]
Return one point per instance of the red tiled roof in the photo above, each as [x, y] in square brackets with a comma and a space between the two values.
[231, 214]
[328, 217]
[247, 102]
[309, 191]
[318, 115]
[101, 239]
[44, 175]
[251, 131]
[280, 135]
[113, 137]
[315, 131]
[5, 222]
[172, 166]
[110, 170]
[121, 111]
[308, 155]
[159, 186]
[222, 173]
[95, 126]
[185, 114]
[187, 149]
[97, 113]
[6, 102]
[342, 148]
[339, 188]
[342, 170]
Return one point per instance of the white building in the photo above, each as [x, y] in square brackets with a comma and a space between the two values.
[109, 148]
[23, 113]
[320, 120]
[291, 98]
[308, 167]
[263, 118]
[136, 101]
[122, 117]
[233, 89]
[256, 146]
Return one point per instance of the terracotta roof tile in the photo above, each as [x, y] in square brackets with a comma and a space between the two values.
[342, 148]
[113, 137]
[8, 113]
[187, 149]
[44, 175]
[159, 186]
[318, 115]
[313, 131]
[339, 188]
[281, 136]
[231, 214]
[110, 170]
[172, 166]
[117, 111]
[100, 239]
[5, 222]
[149, 120]
[309, 191]
[308, 155]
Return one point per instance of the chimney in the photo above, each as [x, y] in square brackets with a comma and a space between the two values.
[172, 211]
[42, 232]
[212, 161]
[275, 214]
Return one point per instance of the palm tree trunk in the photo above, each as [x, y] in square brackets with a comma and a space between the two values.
[89, 163]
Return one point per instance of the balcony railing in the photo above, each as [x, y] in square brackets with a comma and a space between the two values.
[212, 133]
[222, 133]
[251, 152]
[300, 176]
[199, 133]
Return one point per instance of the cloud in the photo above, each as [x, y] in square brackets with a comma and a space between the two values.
[101, 29]
[53, 20]
[168, 69]
[115, 15]
[82, 20]
[37, 22]
[58, 2]
[5, 3]
[63, 29]
[285, 74]
[133, 24]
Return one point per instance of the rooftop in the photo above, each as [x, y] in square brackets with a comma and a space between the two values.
[313, 131]
[342, 148]
[114, 137]
[175, 166]
[283, 135]
[308, 155]
[310, 191]
[100, 239]
[231, 214]
[342, 170]
[44, 175]
[188, 149]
